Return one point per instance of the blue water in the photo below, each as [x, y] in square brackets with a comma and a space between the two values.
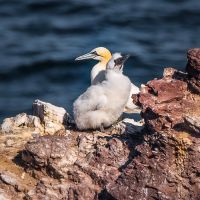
[40, 39]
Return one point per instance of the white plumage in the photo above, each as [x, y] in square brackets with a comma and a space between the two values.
[102, 104]
[103, 55]
[130, 106]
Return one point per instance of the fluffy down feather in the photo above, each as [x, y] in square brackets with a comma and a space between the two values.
[102, 104]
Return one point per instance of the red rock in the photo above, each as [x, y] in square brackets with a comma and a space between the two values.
[163, 101]
[194, 85]
[193, 69]
[193, 65]
[165, 166]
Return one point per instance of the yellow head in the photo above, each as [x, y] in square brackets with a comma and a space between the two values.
[100, 53]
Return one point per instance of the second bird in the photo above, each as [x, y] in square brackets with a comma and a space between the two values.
[102, 104]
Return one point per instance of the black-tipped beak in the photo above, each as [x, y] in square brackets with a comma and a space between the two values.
[120, 61]
[125, 58]
[86, 56]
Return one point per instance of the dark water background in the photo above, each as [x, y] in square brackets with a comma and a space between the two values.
[40, 39]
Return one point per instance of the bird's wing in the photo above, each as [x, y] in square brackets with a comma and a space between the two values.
[93, 99]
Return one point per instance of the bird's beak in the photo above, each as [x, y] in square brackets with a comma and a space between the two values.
[86, 56]
[124, 58]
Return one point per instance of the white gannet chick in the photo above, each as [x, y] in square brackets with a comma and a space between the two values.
[102, 104]
[103, 55]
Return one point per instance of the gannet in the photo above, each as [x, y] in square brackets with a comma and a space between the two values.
[102, 104]
[103, 55]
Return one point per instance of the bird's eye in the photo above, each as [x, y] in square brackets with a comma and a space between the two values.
[95, 53]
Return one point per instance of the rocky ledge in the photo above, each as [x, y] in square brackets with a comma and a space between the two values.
[43, 156]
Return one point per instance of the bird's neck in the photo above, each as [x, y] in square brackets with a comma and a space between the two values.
[98, 72]
[112, 74]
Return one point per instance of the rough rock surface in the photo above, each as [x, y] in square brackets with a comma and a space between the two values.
[193, 65]
[166, 102]
[47, 119]
[67, 165]
[193, 69]
[20, 122]
[79, 165]
[75, 166]
[160, 161]
[167, 163]
[53, 118]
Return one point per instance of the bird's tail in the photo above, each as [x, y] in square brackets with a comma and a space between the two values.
[93, 120]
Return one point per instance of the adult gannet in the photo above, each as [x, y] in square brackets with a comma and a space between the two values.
[102, 104]
[103, 55]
